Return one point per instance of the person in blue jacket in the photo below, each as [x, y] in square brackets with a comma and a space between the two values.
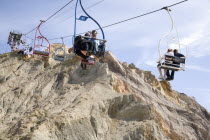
[170, 76]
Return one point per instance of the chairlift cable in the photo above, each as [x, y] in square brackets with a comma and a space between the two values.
[59, 16]
[142, 15]
[51, 16]
[59, 10]
[79, 12]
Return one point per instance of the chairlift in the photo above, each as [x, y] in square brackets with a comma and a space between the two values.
[171, 62]
[85, 41]
[39, 49]
[60, 53]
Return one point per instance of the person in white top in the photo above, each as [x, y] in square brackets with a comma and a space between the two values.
[170, 53]
[97, 44]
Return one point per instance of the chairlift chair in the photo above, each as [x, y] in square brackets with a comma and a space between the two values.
[171, 62]
[60, 53]
[39, 49]
[84, 18]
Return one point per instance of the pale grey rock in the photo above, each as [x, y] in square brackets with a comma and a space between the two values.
[111, 101]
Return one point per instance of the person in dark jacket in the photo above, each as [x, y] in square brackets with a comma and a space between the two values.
[170, 76]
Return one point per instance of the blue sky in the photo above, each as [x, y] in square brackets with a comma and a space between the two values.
[135, 41]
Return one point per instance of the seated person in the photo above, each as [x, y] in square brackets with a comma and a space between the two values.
[99, 46]
[88, 34]
[169, 53]
[177, 54]
[77, 46]
[83, 46]
[170, 76]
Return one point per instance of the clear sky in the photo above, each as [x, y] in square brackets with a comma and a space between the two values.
[134, 41]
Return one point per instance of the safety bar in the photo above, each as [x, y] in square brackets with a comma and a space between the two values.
[94, 38]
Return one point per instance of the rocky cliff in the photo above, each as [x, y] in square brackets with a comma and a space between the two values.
[111, 101]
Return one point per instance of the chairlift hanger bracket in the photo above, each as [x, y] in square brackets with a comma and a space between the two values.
[167, 9]
[60, 57]
[169, 33]
[84, 18]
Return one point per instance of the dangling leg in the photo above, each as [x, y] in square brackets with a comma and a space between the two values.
[161, 75]
[95, 45]
[172, 75]
[165, 71]
[102, 49]
[78, 52]
[168, 74]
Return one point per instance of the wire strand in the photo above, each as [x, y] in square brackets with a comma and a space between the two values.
[52, 15]
[80, 12]
[148, 13]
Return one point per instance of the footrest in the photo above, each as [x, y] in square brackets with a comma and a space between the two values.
[41, 53]
[88, 62]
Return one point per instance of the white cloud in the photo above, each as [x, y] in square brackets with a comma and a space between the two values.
[198, 68]
[197, 39]
[144, 42]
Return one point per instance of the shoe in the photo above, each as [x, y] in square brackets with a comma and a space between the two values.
[168, 79]
[164, 78]
[160, 77]
[91, 60]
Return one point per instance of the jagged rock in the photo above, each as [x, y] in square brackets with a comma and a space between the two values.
[111, 101]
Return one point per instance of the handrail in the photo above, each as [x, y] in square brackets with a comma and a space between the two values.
[94, 38]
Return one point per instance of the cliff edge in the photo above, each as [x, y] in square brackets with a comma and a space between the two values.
[111, 101]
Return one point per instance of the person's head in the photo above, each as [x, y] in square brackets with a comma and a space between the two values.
[77, 38]
[175, 51]
[94, 33]
[169, 50]
[87, 34]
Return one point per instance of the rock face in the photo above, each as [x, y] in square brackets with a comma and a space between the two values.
[111, 101]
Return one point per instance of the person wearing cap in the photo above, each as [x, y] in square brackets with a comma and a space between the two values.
[169, 53]
[88, 35]
[97, 44]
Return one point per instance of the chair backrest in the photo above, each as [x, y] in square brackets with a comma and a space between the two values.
[168, 59]
[179, 60]
[174, 59]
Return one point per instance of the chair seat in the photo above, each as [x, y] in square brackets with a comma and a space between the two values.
[41, 53]
[59, 58]
[171, 67]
